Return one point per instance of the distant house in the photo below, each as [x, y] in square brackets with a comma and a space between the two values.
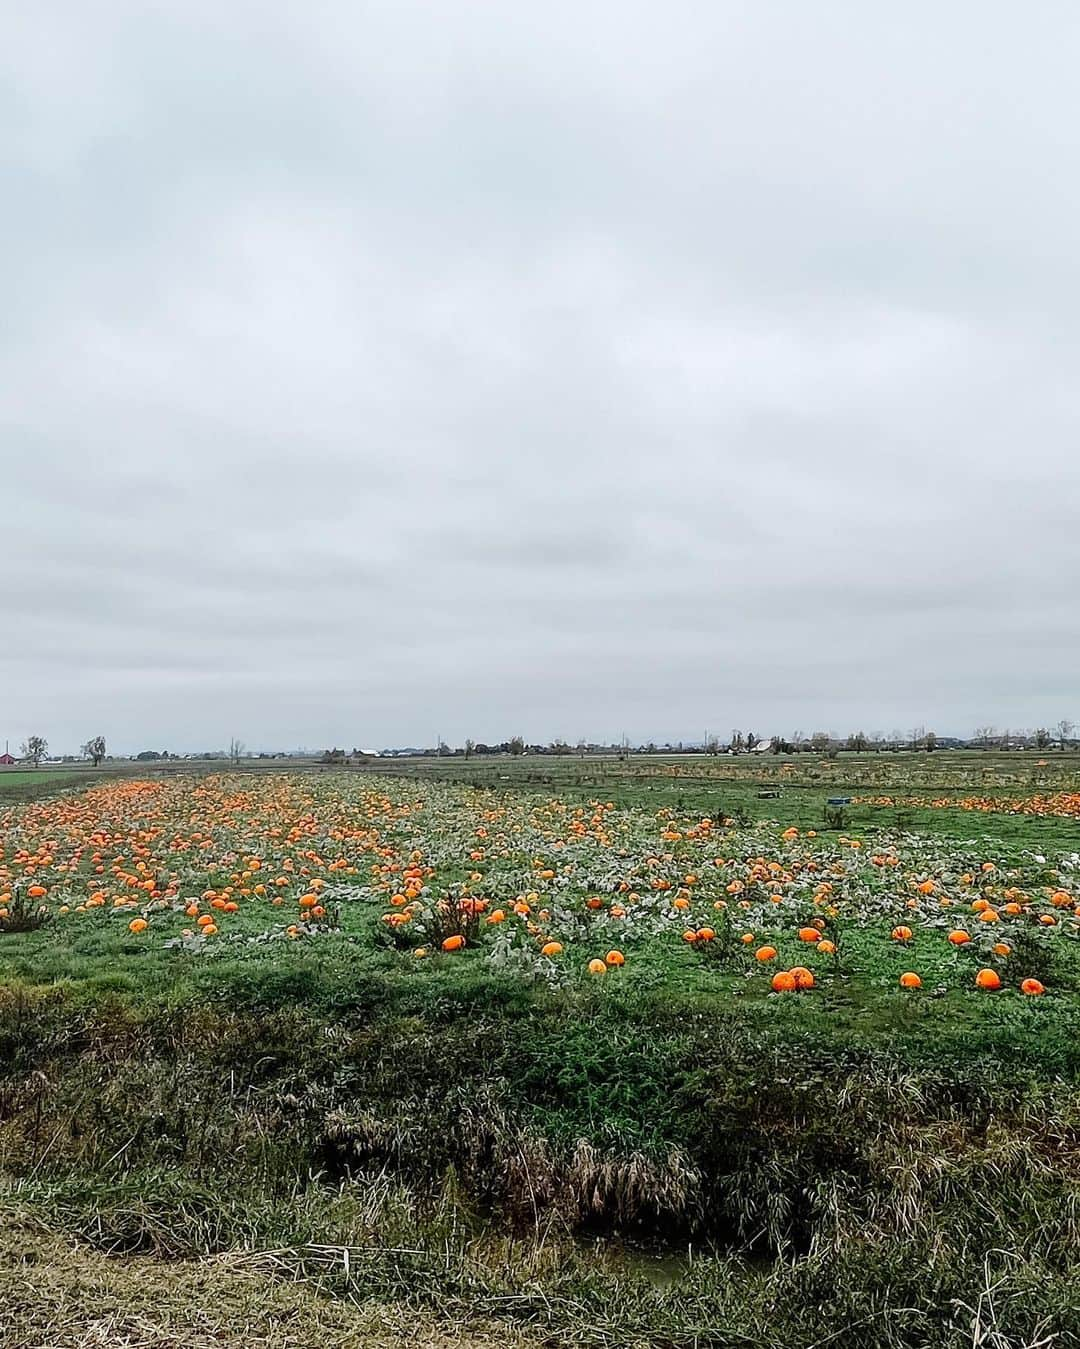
[7, 760]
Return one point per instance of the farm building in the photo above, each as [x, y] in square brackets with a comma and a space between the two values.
[6, 759]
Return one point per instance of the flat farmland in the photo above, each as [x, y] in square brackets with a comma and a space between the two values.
[567, 1051]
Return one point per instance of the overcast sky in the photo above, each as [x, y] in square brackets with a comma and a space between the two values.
[372, 371]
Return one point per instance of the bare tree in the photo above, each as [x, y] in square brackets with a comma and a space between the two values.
[858, 742]
[517, 744]
[1065, 729]
[470, 745]
[236, 749]
[1043, 739]
[94, 750]
[35, 747]
[985, 735]
[582, 747]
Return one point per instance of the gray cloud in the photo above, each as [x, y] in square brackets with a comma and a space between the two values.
[369, 371]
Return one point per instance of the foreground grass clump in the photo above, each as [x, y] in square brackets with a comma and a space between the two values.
[279, 1068]
[443, 1164]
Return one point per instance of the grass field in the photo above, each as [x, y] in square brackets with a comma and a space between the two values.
[237, 1055]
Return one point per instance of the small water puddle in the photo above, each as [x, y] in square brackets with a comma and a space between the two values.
[662, 1268]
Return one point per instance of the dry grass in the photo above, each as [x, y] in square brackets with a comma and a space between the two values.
[58, 1295]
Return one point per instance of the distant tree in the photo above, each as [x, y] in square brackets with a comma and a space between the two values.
[1043, 739]
[798, 741]
[985, 735]
[236, 749]
[94, 750]
[738, 741]
[582, 747]
[780, 745]
[35, 748]
[929, 742]
[517, 744]
[858, 742]
[751, 740]
[1065, 729]
[819, 742]
[147, 756]
[334, 755]
[470, 745]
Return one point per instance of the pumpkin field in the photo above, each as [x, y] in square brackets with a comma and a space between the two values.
[478, 1050]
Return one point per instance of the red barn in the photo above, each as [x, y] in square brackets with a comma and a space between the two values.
[6, 760]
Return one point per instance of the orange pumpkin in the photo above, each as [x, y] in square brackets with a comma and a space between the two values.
[909, 979]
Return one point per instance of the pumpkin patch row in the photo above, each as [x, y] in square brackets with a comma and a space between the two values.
[556, 889]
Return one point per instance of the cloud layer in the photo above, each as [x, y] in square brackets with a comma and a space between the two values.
[376, 371]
